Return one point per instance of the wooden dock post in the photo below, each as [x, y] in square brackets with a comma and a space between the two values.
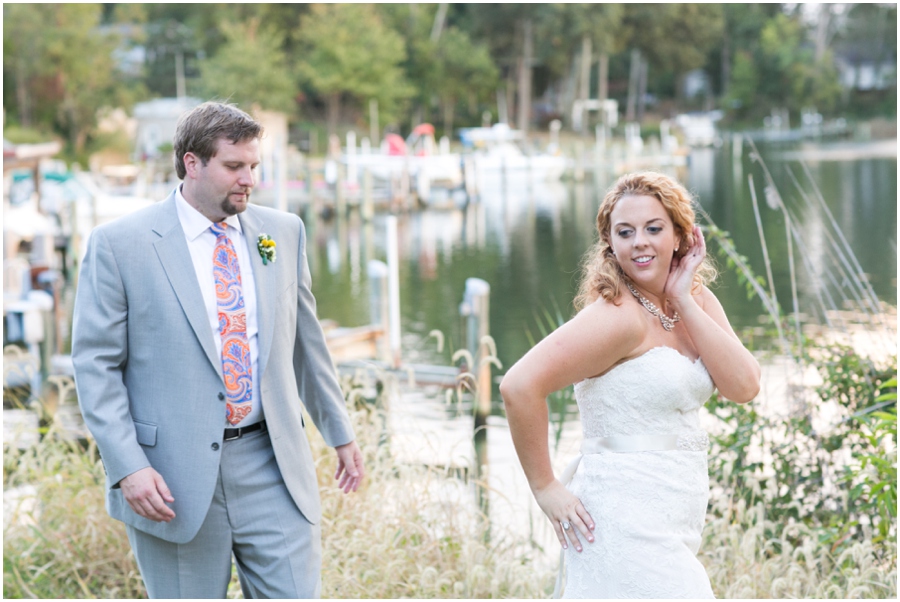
[469, 177]
[368, 207]
[393, 263]
[476, 307]
[351, 158]
[579, 160]
[340, 197]
[379, 310]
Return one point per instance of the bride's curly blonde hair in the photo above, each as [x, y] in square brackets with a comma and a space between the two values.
[601, 274]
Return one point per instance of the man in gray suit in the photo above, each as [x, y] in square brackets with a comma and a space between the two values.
[194, 344]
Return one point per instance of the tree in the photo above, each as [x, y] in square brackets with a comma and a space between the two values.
[64, 67]
[591, 27]
[673, 37]
[797, 79]
[461, 67]
[250, 68]
[739, 42]
[347, 51]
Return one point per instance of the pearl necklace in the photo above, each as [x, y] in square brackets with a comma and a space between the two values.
[667, 322]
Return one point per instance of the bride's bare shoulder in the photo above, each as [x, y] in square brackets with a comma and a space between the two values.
[617, 323]
[617, 310]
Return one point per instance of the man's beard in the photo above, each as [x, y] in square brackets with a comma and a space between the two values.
[230, 208]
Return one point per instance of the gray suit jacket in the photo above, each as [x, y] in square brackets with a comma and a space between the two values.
[149, 378]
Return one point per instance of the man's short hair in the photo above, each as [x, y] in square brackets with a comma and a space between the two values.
[199, 130]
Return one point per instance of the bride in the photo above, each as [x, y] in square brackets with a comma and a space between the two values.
[645, 351]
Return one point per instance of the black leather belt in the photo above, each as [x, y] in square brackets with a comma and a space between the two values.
[232, 434]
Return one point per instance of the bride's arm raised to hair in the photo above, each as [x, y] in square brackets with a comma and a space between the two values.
[589, 344]
[732, 367]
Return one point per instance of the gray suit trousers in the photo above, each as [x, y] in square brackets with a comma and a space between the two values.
[252, 517]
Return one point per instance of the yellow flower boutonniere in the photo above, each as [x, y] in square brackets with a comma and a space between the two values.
[266, 247]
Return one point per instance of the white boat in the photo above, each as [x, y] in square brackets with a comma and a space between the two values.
[418, 156]
[499, 149]
[699, 128]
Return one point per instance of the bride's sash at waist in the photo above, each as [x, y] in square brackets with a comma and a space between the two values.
[635, 443]
[625, 444]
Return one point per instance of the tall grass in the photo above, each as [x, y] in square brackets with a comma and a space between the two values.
[412, 531]
[58, 541]
[408, 532]
[744, 560]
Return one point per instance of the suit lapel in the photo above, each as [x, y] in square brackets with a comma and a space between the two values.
[173, 253]
[266, 280]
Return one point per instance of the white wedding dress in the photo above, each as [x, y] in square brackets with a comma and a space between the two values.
[648, 506]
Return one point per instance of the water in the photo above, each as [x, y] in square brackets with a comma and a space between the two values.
[527, 237]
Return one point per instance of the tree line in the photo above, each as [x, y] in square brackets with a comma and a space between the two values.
[451, 64]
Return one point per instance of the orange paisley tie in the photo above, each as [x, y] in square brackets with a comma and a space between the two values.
[236, 365]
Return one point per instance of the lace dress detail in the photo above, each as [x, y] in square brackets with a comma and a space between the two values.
[648, 507]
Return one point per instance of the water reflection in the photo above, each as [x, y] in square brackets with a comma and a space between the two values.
[526, 237]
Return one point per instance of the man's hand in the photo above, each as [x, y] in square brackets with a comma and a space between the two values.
[146, 492]
[350, 467]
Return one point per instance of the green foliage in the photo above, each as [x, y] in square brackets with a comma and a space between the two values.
[347, 51]
[250, 68]
[61, 61]
[869, 395]
[744, 83]
[651, 29]
[460, 68]
[23, 135]
[840, 481]
[63, 69]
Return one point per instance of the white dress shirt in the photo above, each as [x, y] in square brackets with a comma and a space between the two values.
[202, 243]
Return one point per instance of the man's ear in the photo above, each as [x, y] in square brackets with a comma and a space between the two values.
[192, 164]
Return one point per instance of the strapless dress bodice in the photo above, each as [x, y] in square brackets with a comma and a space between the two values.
[658, 392]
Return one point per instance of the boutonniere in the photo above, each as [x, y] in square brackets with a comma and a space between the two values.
[266, 247]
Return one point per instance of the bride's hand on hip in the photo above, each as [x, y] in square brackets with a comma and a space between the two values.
[681, 271]
[568, 516]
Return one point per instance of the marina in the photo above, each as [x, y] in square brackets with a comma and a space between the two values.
[415, 341]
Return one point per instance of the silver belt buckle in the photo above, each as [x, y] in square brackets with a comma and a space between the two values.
[236, 436]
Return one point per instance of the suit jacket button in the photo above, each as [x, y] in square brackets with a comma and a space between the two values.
[215, 446]
[221, 396]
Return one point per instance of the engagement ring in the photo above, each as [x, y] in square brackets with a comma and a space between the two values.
[565, 525]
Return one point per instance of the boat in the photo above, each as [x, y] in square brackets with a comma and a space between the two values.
[499, 148]
[418, 157]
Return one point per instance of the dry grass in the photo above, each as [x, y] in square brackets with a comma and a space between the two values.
[59, 542]
[399, 536]
[743, 562]
[409, 532]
